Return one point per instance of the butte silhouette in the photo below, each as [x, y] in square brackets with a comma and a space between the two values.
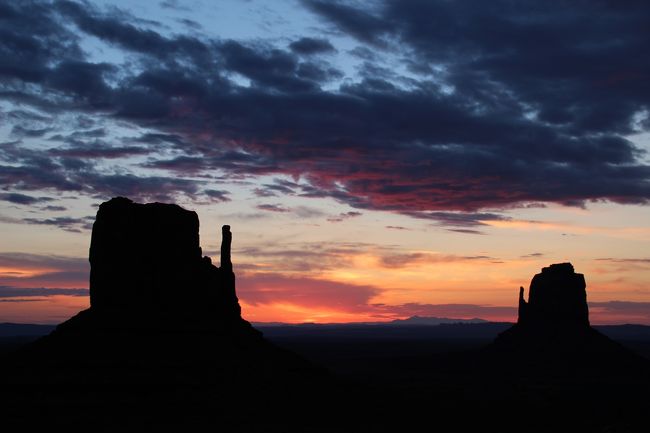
[163, 338]
[553, 332]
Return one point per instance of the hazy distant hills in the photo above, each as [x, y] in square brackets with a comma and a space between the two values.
[24, 330]
[415, 326]
[465, 332]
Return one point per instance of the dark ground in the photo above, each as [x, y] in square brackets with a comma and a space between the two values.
[386, 379]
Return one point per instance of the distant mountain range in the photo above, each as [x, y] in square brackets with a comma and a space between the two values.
[24, 330]
[411, 321]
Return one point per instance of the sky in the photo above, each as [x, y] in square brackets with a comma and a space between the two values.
[375, 159]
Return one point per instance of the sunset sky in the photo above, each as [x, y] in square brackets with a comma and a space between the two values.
[375, 159]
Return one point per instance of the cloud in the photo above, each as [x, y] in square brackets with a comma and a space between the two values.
[23, 199]
[419, 258]
[217, 195]
[532, 255]
[269, 288]
[70, 224]
[51, 208]
[538, 112]
[626, 260]
[460, 219]
[309, 46]
[21, 292]
[344, 216]
[467, 231]
[272, 208]
[40, 270]
[359, 23]
[619, 312]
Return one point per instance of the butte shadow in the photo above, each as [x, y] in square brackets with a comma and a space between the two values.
[163, 343]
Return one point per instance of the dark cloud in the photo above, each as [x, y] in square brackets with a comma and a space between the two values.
[279, 186]
[466, 231]
[51, 208]
[21, 131]
[344, 216]
[23, 199]
[120, 29]
[73, 169]
[461, 219]
[69, 224]
[357, 22]
[20, 292]
[217, 195]
[96, 150]
[535, 112]
[272, 68]
[272, 208]
[308, 46]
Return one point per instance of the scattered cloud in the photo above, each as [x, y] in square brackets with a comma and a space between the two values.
[467, 231]
[217, 195]
[626, 260]
[344, 216]
[309, 46]
[272, 208]
[70, 224]
[619, 312]
[262, 288]
[17, 198]
[419, 258]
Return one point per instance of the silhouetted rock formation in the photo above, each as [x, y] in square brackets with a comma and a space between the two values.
[162, 317]
[556, 295]
[555, 320]
[147, 257]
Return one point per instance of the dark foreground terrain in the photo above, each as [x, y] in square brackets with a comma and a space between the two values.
[399, 354]
[381, 378]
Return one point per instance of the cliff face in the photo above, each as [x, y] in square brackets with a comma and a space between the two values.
[147, 257]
